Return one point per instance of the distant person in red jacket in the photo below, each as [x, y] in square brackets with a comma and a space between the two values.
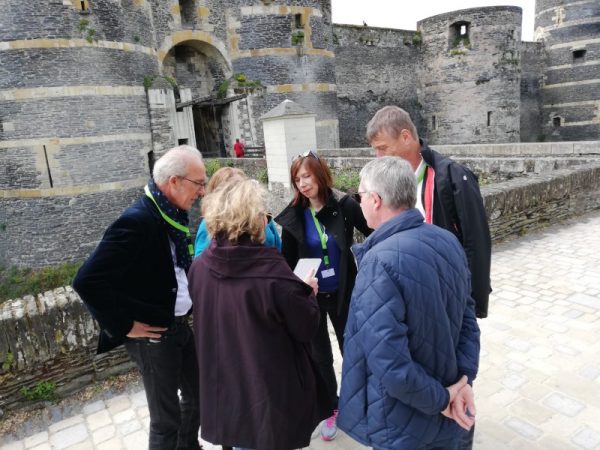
[238, 148]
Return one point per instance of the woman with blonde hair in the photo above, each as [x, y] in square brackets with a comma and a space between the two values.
[254, 321]
[218, 179]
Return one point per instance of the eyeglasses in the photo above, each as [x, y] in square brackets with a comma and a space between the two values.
[306, 154]
[199, 184]
[359, 194]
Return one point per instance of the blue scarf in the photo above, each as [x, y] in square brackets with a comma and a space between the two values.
[177, 222]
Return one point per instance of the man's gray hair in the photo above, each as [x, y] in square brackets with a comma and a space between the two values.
[174, 163]
[393, 179]
[393, 120]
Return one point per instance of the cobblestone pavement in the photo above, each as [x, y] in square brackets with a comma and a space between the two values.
[539, 383]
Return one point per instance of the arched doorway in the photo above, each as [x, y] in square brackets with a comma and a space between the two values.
[201, 68]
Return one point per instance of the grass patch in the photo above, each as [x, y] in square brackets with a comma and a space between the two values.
[346, 181]
[263, 176]
[211, 165]
[44, 390]
[16, 282]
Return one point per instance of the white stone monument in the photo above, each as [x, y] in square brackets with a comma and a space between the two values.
[289, 131]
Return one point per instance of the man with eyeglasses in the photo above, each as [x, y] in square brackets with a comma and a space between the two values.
[135, 285]
[411, 345]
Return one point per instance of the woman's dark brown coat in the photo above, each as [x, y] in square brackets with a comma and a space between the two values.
[253, 322]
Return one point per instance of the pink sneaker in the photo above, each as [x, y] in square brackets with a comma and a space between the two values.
[329, 427]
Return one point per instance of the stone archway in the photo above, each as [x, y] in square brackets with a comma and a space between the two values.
[201, 67]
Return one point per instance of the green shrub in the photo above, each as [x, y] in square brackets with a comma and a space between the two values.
[462, 40]
[263, 176]
[172, 81]
[212, 165]
[222, 90]
[44, 390]
[346, 181]
[91, 35]
[16, 282]
[297, 37]
[417, 38]
[149, 81]
[8, 362]
[83, 24]
[253, 83]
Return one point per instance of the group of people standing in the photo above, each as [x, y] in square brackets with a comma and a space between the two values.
[257, 370]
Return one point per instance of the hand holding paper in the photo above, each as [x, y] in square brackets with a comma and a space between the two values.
[306, 269]
[312, 281]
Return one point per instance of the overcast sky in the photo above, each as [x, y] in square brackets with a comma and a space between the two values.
[404, 14]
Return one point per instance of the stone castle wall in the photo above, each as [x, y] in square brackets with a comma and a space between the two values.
[373, 67]
[532, 67]
[290, 50]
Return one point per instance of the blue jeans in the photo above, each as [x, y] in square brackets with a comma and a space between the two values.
[168, 365]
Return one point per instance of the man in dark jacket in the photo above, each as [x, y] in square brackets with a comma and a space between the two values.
[135, 286]
[412, 340]
[447, 193]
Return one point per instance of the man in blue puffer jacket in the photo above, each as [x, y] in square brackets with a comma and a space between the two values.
[412, 341]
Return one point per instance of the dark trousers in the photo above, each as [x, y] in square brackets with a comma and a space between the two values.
[467, 439]
[321, 344]
[167, 365]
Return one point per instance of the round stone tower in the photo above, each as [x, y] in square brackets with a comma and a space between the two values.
[82, 113]
[288, 47]
[74, 128]
[570, 31]
[470, 76]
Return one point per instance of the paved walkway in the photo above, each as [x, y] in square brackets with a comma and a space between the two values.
[539, 383]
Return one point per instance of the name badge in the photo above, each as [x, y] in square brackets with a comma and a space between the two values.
[328, 273]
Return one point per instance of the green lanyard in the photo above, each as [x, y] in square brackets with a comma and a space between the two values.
[170, 221]
[421, 174]
[322, 237]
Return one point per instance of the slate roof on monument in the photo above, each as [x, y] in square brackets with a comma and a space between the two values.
[286, 108]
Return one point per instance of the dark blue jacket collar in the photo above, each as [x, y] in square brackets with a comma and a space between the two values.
[410, 218]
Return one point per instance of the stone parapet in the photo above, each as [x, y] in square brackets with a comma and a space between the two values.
[519, 206]
[491, 150]
[50, 338]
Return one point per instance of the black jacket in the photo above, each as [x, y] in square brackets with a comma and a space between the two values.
[341, 215]
[130, 276]
[458, 207]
